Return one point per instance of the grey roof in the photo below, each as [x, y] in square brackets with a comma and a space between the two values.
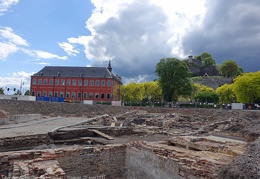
[67, 71]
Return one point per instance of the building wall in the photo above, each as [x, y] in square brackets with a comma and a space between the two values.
[74, 89]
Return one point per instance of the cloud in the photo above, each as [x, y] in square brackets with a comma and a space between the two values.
[43, 63]
[47, 55]
[230, 30]
[7, 33]
[6, 4]
[11, 42]
[16, 80]
[6, 49]
[136, 34]
[68, 48]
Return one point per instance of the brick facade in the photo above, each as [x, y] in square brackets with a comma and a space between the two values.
[75, 83]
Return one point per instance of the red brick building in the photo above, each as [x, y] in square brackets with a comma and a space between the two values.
[75, 83]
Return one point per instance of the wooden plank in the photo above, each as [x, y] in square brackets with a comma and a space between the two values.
[103, 134]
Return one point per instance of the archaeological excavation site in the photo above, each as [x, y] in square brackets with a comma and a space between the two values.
[69, 140]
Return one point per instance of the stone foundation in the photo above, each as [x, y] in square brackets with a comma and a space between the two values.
[182, 157]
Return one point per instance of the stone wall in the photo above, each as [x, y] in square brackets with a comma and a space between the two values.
[93, 162]
[107, 162]
[23, 142]
[143, 163]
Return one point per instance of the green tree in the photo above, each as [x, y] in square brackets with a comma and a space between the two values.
[247, 87]
[226, 94]
[27, 93]
[18, 92]
[229, 68]
[207, 97]
[132, 92]
[173, 78]
[1, 91]
[153, 91]
[206, 58]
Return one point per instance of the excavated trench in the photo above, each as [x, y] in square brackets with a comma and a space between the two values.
[143, 143]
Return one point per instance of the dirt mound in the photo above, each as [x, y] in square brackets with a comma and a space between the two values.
[246, 166]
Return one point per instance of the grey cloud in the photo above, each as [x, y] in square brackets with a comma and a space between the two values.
[136, 39]
[231, 30]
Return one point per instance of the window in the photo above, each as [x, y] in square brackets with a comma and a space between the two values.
[103, 83]
[102, 95]
[91, 82]
[62, 95]
[56, 94]
[34, 81]
[80, 82]
[62, 82]
[39, 81]
[74, 82]
[96, 95]
[90, 95]
[57, 82]
[67, 94]
[108, 83]
[45, 81]
[108, 96]
[85, 82]
[85, 95]
[97, 82]
[39, 93]
[33, 93]
[73, 95]
[44, 93]
[68, 82]
[79, 95]
[51, 81]
[50, 93]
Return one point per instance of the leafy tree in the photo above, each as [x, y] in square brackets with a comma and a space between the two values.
[1, 91]
[173, 78]
[226, 94]
[206, 59]
[153, 91]
[205, 88]
[197, 88]
[247, 87]
[207, 97]
[132, 92]
[18, 92]
[229, 68]
[27, 93]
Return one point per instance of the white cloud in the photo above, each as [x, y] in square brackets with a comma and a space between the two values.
[38, 54]
[68, 48]
[11, 43]
[43, 63]
[6, 49]
[138, 33]
[8, 34]
[6, 4]
[16, 80]
[47, 55]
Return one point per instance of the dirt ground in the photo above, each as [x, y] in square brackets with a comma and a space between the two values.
[161, 124]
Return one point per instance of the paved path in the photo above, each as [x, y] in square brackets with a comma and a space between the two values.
[39, 127]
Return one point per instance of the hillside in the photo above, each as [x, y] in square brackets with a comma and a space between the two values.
[211, 81]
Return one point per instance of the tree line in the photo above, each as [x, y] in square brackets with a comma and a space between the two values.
[174, 84]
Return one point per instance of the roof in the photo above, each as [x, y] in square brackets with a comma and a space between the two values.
[63, 71]
[84, 72]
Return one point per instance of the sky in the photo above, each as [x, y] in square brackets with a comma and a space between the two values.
[133, 34]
